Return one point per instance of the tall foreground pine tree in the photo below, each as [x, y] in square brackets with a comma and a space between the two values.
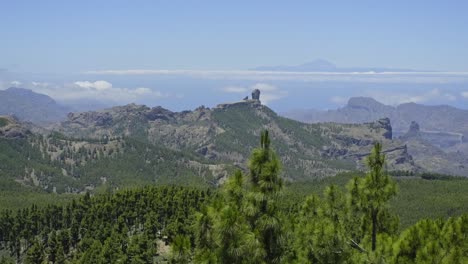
[262, 201]
[377, 188]
[245, 225]
[334, 229]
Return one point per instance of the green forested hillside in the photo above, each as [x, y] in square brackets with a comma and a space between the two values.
[252, 218]
[59, 164]
[132, 226]
[102, 195]
[227, 133]
[417, 198]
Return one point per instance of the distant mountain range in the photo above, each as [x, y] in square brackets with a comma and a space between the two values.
[438, 131]
[441, 118]
[29, 106]
[321, 65]
[136, 144]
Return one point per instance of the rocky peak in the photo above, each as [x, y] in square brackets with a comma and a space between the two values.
[256, 95]
[11, 128]
[414, 127]
[91, 118]
[366, 103]
[383, 123]
[413, 131]
[158, 112]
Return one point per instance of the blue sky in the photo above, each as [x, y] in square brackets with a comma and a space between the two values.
[87, 35]
[51, 46]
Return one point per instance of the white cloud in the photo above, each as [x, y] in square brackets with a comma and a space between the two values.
[97, 90]
[16, 83]
[390, 98]
[40, 84]
[267, 98]
[269, 93]
[464, 94]
[98, 85]
[262, 76]
[143, 91]
[235, 89]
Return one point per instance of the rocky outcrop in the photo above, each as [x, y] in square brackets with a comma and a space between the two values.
[100, 119]
[384, 124]
[250, 103]
[11, 128]
[208, 151]
[413, 131]
[333, 152]
[108, 117]
[159, 113]
[351, 141]
[256, 95]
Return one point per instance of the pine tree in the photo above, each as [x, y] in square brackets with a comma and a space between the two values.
[180, 251]
[245, 224]
[35, 253]
[223, 233]
[369, 198]
[262, 208]
[321, 236]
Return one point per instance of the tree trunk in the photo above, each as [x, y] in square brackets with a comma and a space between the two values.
[374, 229]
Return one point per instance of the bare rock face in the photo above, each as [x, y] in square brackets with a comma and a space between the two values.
[413, 131]
[11, 128]
[414, 128]
[159, 113]
[96, 118]
[384, 124]
[256, 95]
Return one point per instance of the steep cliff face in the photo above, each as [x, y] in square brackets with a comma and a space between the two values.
[414, 132]
[420, 145]
[354, 142]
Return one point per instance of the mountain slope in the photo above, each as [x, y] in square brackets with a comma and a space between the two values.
[56, 163]
[29, 106]
[227, 134]
[136, 145]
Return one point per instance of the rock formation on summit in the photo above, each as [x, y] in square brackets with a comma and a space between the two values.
[413, 131]
[256, 95]
[414, 128]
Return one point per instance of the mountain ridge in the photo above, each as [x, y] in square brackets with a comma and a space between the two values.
[365, 109]
[136, 144]
[30, 106]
